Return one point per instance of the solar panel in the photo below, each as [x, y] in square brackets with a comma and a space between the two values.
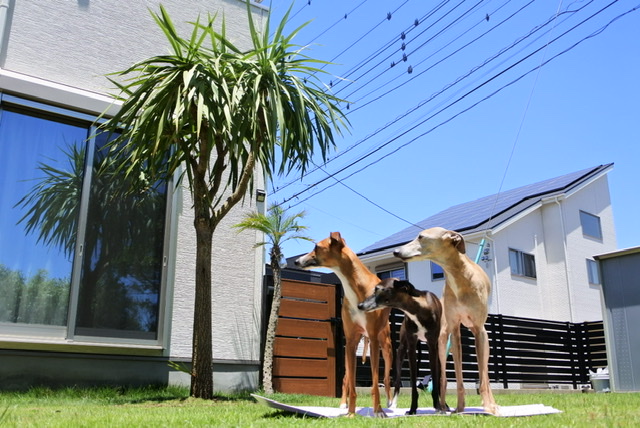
[486, 211]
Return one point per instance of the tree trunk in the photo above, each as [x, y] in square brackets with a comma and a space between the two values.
[267, 367]
[202, 357]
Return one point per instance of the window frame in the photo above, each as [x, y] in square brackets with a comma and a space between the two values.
[589, 221]
[387, 271]
[525, 264]
[435, 275]
[593, 272]
[55, 335]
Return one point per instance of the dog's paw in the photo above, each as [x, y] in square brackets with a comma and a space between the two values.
[342, 406]
[494, 409]
[380, 414]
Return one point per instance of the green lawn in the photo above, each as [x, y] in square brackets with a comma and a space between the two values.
[171, 407]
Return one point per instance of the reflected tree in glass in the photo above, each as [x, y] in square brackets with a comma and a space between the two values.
[121, 254]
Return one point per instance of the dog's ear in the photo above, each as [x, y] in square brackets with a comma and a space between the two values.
[386, 283]
[406, 287]
[336, 239]
[458, 241]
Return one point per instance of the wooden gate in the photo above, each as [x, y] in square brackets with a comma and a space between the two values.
[305, 345]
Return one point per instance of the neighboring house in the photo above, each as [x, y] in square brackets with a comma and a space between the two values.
[108, 297]
[540, 243]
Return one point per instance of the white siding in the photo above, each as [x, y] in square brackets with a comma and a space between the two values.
[59, 51]
[595, 200]
[550, 231]
[77, 42]
[520, 296]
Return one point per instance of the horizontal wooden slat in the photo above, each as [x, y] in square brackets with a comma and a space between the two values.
[304, 328]
[297, 367]
[306, 310]
[306, 348]
[299, 290]
[303, 386]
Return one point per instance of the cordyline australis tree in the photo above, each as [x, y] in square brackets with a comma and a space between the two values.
[278, 228]
[212, 112]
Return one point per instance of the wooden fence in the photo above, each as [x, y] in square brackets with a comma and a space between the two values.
[305, 347]
[523, 350]
[309, 349]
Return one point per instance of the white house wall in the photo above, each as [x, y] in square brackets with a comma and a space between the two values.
[594, 199]
[77, 42]
[59, 51]
[521, 296]
[551, 231]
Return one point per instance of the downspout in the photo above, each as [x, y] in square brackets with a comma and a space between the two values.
[566, 259]
[494, 285]
[4, 16]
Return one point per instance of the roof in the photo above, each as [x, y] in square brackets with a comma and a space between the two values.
[477, 215]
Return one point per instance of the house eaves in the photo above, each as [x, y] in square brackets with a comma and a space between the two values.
[491, 213]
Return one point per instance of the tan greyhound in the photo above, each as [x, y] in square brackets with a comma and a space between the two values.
[465, 301]
[358, 283]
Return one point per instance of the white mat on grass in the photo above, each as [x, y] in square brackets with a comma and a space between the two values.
[333, 412]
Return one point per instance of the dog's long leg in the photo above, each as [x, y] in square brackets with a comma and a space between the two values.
[482, 348]
[413, 372]
[434, 366]
[456, 351]
[375, 376]
[401, 352]
[442, 356]
[387, 355]
[350, 372]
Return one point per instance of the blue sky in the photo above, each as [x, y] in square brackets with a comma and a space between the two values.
[500, 94]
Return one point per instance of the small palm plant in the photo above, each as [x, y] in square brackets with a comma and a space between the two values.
[278, 228]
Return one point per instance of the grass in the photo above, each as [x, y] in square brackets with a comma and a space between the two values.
[169, 407]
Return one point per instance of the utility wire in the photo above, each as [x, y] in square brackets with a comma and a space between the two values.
[594, 34]
[446, 87]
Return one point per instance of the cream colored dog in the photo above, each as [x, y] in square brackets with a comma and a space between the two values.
[465, 301]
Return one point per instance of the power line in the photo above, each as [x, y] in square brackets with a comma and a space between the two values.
[593, 34]
[445, 88]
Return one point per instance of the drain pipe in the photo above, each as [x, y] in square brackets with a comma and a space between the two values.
[566, 256]
[4, 16]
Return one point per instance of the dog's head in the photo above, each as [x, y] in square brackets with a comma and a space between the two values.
[389, 293]
[327, 253]
[431, 244]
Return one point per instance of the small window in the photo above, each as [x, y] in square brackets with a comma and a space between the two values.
[436, 272]
[522, 264]
[593, 271]
[392, 273]
[590, 225]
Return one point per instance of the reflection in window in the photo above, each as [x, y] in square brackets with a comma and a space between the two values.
[59, 208]
[593, 272]
[590, 225]
[35, 267]
[522, 264]
[398, 273]
[122, 226]
[437, 272]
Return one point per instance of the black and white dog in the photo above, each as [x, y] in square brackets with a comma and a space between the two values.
[422, 315]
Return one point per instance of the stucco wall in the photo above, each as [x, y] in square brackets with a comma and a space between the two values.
[594, 199]
[68, 46]
[561, 290]
[77, 42]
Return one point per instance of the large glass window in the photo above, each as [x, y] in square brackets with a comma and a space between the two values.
[78, 250]
[36, 174]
